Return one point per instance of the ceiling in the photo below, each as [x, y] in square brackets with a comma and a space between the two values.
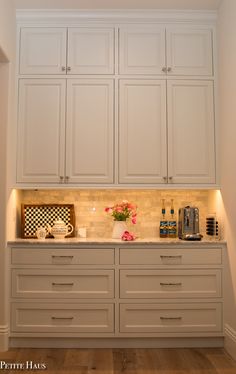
[118, 4]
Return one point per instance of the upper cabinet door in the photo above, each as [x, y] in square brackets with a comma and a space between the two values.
[90, 51]
[89, 141]
[189, 51]
[43, 50]
[142, 131]
[41, 130]
[142, 50]
[191, 140]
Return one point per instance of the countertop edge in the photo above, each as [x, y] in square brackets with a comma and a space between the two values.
[109, 241]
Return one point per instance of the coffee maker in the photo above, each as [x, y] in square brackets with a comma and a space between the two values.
[188, 224]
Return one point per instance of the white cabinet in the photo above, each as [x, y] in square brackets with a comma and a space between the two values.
[43, 50]
[170, 290]
[81, 284]
[63, 290]
[191, 135]
[153, 131]
[56, 148]
[171, 318]
[189, 51]
[41, 130]
[164, 284]
[136, 106]
[80, 50]
[89, 141]
[134, 290]
[159, 50]
[71, 319]
[142, 50]
[142, 131]
[90, 51]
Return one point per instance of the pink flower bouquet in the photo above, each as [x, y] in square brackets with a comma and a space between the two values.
[123, 211]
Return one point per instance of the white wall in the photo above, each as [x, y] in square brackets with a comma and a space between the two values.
[227, 100]
[7, 79]
[7, 27]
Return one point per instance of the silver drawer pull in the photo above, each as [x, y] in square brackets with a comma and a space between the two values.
[166, 318]
[178, 256]
[62, 284]
[70, 257]
[170, 284]
[62, 318]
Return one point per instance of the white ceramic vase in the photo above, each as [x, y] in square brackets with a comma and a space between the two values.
[118, 229]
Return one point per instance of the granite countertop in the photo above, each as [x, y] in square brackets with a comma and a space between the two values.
[109, 241]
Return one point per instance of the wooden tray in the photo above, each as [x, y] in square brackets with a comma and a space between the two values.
[35, 215]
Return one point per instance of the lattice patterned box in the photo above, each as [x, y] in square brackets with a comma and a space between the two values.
[33, 216]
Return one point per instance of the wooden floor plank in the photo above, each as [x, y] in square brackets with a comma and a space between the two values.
[124, 361]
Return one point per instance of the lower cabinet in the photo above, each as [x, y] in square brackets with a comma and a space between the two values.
[58, 317]
[133, 291]
[171, 318]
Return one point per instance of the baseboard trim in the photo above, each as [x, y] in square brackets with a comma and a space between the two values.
[117, 343]
[230, 341]
[4, 338]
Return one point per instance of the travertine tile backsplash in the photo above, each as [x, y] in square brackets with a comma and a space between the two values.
[90, 204]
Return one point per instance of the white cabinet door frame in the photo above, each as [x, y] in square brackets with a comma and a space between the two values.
[90, 128]
[191, 140]
[41, 130]
[43, 50]
[189, 51]
[142, 50]
[142, 131]
[90, 50]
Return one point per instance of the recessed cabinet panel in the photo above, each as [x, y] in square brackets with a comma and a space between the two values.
[191, 133]
[43, 50]
[62, 318]
[151, 318]
[89, 146]
[171, 256]
[39, 283]
[63, 257]
[90, 51]
[170, 284]
[41, 130]
[142, 50]
[142, 131]
[189, 51]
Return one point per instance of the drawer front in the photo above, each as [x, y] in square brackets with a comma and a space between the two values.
[28, 283]
[33, 317]
[170, 256]
[153, 318]
[47, 256]
[170, 283]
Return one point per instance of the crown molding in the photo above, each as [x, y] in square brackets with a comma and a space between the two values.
[63, 16]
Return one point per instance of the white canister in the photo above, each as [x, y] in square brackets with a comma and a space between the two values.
[82, 231]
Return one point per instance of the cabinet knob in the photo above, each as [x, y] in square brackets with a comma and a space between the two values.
[63, 68]
[171, 179]
[165, 179]
[67, 179]
[164, 69]
[68, 68]
[61, 179]
[169, 69]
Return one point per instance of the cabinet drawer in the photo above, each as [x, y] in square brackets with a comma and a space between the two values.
[47, 256]
[170, 284]
[170, 256]
[37, 283]
[154, 318]
[42, 317]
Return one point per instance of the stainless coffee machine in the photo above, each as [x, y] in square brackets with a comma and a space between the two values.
[188, 225]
